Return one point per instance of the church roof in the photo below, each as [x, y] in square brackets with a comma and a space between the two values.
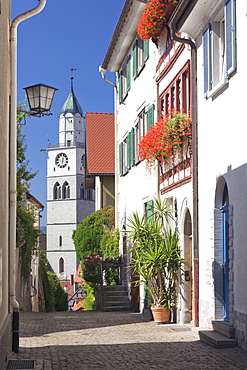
[71, 104]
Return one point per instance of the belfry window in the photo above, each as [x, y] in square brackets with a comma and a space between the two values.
[66, 190]
[57, 191]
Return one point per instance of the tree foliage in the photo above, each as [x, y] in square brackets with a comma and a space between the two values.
[96, 235]
[56, 298]
[26, 231]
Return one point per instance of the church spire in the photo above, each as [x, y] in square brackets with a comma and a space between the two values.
[71, 104]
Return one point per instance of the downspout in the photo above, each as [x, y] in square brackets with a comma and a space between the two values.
[180, 16]
[12, 164]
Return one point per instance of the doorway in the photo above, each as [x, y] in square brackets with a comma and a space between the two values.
[221, 251]
[187, 276]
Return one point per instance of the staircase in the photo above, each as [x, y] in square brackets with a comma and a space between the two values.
[222, 335]
[115, 298]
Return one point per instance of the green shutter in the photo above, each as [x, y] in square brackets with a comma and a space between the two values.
[132, 153]
[135, 58]
[149, 208]
[120, 87]
[146, 50]
[150, 117]
[121, 159]
[128, 73]
[129, 150]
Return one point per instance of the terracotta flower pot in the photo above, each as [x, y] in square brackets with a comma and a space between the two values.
[161, 315]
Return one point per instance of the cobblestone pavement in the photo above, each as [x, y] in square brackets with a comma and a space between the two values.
[115, 341]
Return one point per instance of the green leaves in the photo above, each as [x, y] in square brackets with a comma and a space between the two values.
[155, 253]
[96, 234]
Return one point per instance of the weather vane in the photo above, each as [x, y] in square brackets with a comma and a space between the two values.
[72, 70]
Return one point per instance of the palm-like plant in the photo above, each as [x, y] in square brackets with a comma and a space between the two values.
[156, 253]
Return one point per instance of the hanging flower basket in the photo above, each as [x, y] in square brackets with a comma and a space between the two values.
[153, 18]
[166, 138]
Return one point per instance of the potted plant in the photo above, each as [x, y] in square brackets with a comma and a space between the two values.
[153, 18]
[170, 136]
[156, 257]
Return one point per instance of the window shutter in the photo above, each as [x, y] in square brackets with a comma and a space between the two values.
[146, 50]
[120, 87]
[135, 58]
[206, 39]
[121, 159]
[230, 24]
[150, 117]
[129, 151]
[128, 73]
[132, 147]
[149, 208]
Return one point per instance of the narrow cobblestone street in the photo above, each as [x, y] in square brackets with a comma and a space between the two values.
[106, 340]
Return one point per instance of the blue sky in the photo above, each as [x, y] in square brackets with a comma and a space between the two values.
[66, 34]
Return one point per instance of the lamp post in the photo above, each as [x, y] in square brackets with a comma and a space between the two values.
[12, 164]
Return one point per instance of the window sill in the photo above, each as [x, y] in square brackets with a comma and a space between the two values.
[218, 89]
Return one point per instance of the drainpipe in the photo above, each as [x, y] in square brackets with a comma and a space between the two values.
[12, 164]
[178, 18]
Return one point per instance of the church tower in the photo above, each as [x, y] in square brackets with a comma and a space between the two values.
[67, 201]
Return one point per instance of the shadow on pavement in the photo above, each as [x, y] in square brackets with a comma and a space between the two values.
[32, 323]
[158, 356]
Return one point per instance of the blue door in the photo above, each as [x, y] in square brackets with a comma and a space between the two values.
[225, 260]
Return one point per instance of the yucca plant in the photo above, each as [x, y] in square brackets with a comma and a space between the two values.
[156, 253]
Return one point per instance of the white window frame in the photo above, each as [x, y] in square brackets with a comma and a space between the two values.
[219, 49]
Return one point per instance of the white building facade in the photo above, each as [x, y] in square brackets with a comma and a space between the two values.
[68, 202]
[152, 78]
[218, 30]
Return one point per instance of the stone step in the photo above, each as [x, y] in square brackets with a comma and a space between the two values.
[116, 303]
[115, 294]
[224, 328]
[116, 308]
[115, 297]
[217, 340]
[121, 288]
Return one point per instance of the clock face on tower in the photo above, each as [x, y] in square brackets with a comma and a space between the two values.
[61, 160]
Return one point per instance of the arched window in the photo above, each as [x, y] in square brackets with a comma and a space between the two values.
[66, 190]
[57, 191]
[61, 265]
[60, 240]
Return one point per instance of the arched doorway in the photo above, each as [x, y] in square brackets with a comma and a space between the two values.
[221, 251]
[187, 276]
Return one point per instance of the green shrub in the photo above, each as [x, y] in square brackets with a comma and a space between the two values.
[89, 298]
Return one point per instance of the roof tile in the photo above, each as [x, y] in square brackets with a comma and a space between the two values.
[100, 143]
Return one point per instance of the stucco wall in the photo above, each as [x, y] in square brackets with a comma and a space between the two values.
[5, 327]
[222, 134]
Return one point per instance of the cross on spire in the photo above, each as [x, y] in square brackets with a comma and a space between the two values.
[72, 77]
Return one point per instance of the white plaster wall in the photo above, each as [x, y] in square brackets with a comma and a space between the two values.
[74, 162]
[66, 231]
[138, 184]
[222, 131]
[70, 263]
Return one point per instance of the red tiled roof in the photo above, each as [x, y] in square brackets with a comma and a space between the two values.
[100, 143]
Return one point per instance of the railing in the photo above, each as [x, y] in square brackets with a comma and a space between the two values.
[67, 145]
[179, 160]
[177, 170]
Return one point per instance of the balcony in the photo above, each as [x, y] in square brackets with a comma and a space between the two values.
[74, 144]
[178, 170]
